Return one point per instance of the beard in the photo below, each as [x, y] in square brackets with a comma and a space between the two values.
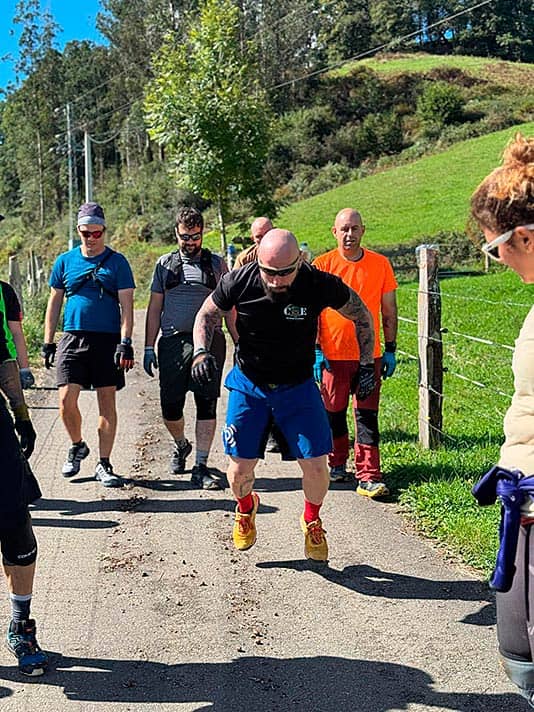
[189, 250]
[277, 296]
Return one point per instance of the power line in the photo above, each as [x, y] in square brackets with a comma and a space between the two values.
[386, 45]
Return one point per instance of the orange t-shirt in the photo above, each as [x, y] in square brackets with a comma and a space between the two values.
[370, 277]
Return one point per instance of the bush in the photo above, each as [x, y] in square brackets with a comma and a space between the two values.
[439, 104]
[309, 181]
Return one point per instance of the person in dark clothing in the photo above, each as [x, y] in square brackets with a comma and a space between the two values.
[278, 299]
[182, 280]
[18, 489]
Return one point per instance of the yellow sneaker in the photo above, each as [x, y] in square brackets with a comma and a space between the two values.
[372, 489]
[244, 532]
[315, 544]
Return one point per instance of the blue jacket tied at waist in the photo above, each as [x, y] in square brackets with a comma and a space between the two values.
[511, 488]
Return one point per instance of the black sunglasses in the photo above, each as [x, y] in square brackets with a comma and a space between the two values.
[283, 272]
[189, 238]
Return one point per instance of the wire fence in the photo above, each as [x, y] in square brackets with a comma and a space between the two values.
[476, 335]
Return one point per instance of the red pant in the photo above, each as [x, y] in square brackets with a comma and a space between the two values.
[336, 392]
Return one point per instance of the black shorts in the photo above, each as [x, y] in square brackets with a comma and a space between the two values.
[88, 359]
[18, 543]
[175, 355]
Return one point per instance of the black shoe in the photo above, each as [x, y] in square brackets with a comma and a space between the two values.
[339, 473]
[202, 478]
[104, 474]
[21, 641]
[179, 457]
[77, 453]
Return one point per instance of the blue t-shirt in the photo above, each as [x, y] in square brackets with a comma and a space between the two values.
[91, 308]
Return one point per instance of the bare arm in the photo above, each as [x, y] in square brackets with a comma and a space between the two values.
[53, 309]
[153, 317]
[20, 343]
[207, 319]
[356, 311]
[389, 315]
[230, 319]
[126, 302]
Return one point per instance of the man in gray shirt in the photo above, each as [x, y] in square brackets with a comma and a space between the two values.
[181, 282]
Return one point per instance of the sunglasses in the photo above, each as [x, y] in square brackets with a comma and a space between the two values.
[189, 238]
[491, 249]
[95, 233]
[283, 272]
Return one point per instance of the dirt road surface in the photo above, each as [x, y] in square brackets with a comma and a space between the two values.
[145, 605]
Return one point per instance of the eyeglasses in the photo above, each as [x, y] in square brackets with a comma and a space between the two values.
[189, 238]
[283, 272]
[491, 249]
[95, 233]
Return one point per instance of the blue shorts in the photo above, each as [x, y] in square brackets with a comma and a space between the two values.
[298, 411]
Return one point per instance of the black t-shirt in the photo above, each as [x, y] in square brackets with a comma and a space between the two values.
[276, 340]
[18, 486]
[11, 312]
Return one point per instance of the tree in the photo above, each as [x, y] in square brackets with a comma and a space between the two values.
[345, 29]
[205, 105]
[505, 29]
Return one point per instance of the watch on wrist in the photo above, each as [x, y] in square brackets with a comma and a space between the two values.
[199, 351]
[126, 340]
[390, 346]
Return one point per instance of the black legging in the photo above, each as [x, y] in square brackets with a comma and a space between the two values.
[514, 609]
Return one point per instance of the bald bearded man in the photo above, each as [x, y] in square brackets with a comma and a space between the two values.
[278, 299]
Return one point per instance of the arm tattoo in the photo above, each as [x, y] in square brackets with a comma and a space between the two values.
[356, 311]
[207, 319]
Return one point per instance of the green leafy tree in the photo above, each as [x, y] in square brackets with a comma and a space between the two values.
[28, 120]
[345, 29]
[504, 28]
[204, 104]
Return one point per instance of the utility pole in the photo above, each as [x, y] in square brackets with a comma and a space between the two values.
[88, 167]
[72, 242]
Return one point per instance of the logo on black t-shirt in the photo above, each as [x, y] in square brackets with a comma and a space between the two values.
[294, 312]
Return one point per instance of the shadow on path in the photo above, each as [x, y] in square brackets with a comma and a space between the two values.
[69, 507]
[261, 684]
[371, 581]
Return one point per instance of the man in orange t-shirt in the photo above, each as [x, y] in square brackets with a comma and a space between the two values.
[337, 354]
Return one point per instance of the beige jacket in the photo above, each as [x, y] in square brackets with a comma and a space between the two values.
[517, 451]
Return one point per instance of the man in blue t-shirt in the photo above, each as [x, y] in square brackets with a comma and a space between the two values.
[96, 346]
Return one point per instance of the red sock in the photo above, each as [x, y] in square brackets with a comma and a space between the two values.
[311, 511]
[245, 504]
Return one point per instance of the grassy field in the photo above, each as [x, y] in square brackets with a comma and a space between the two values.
[404, 203]
[434, 486]
[494, 70]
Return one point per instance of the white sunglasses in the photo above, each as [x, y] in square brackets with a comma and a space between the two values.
[491, 249]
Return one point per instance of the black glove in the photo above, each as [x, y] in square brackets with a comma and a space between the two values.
[48, 352]
[364, 381]
[204, 371]
[27, 436]
[124, 352]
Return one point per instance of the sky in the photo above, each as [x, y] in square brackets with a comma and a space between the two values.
[77, 19]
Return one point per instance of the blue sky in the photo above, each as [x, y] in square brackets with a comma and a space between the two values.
[77, 19]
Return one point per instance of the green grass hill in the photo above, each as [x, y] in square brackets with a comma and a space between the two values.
[407, 202]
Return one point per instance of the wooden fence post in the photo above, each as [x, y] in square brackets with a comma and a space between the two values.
[430, 348]
[14, 277]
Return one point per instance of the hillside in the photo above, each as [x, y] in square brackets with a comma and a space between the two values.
[406, 202]
[496, 71]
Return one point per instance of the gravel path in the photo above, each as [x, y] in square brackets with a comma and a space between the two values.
[145, 605]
